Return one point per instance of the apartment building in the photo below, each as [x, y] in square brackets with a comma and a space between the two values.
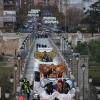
[25, 2]
[7, 15]
[45, 2]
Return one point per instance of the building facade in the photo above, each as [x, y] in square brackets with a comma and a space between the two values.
[7, 15]
[45, 2]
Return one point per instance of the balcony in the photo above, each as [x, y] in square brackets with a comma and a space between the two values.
[9, 19]
[9, 6]
[6, 2]
[12, 15]
[8, 25]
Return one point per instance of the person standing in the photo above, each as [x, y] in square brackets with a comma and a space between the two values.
[65, 86]
[28, 92]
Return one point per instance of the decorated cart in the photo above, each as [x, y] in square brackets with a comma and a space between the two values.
[52, 85]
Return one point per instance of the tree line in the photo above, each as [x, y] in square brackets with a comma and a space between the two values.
[91, 48]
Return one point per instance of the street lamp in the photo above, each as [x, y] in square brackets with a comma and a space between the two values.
[83, 69]
[18, 91]
[22, 49]
[72, 58]
[15, 68]
[19, 66]
[21, 76]
[67, 41]
[67, 44]
[23, 45]
[62, 44]
[36, 96]
[77, 59]
[77, 91]
[71, 49]
[11, 79]
[98, 94]
[90, 81]
[18, 57]
[7, 93]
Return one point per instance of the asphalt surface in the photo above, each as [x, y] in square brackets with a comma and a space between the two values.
[30, 68]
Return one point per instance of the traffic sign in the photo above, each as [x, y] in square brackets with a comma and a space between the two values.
[21, 98]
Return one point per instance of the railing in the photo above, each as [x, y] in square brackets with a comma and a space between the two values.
[62, 60]
[19, 88]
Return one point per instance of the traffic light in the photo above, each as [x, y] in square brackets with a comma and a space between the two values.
[37, 76]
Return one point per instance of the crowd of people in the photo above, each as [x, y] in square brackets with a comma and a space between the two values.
[38, 45]
[62, 87]
[46, 58]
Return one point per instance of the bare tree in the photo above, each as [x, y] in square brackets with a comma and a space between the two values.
[74, 16]
[22, 15]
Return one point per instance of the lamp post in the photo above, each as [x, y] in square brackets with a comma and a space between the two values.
[7, 93]
[70, 63]
[26, 45]
[90, 81]
[83, 69]
[27, 39]
[77, 59]
[62, 44]
[67, 44]
[98, 94]
[15, 68]
[77, 91]
[11, 79]
[21, 49]
[71, 49]
[36, 97]
[23, 45]
[72, 58]
[19, 66]
[18, 91]
[28, 42]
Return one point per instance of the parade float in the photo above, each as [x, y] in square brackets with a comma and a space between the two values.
[49, 80]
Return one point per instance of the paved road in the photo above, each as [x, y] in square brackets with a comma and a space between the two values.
[30, 68]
